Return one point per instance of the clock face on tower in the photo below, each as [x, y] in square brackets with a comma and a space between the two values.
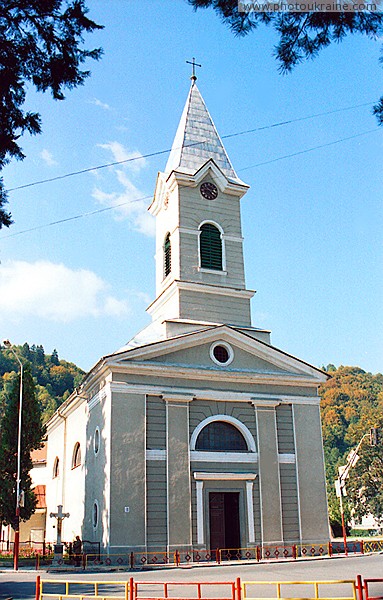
[208, 190]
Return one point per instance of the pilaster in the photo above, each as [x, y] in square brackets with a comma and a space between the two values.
[178, 472]
[311, 481]
[269, 483]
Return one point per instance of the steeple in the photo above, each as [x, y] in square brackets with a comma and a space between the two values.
[200, 276]
[197, 139]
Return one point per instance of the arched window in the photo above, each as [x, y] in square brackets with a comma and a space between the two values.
[56, 469]
[220, 436]
[95, 514]
[167, 255]
[96, 441]
[76, 460]
[210, 245]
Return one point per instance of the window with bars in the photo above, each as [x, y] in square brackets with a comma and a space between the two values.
[220, 436]
[167, 255]
[210, 247]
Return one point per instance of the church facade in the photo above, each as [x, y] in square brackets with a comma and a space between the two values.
[198, 433]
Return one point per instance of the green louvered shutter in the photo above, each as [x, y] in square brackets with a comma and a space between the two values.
[210, 247]
[167, 256]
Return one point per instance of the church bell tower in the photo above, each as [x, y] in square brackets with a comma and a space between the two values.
[200, 275]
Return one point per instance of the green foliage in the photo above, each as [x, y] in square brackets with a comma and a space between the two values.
[32, 432]
[352, 403]
[54, 379]
[365, 483]
[40, 44]
[302, 35]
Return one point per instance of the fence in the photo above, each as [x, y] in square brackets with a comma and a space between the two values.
[134, 560]
[325, 590]
[92, 556]
[51, 588]
[366, 589]
[213, 590]
[133, 590]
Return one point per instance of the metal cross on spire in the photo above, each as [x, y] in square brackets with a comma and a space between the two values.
[194, 65]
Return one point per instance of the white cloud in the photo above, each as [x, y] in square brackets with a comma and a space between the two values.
[131, 203]
[120, 153]
[48, 158]
[98, 102]
[55, 292]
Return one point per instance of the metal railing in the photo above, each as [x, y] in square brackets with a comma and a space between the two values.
[325, 590]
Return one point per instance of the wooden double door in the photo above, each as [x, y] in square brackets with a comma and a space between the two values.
[224, 520]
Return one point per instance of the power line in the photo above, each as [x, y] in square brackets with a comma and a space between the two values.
[100, 210]
[351, 137]
[159, 152]
[87, 214]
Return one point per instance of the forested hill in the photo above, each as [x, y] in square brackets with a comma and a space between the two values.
[55, 378]
[352, 403]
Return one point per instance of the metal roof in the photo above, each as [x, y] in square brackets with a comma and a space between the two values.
[197, 140]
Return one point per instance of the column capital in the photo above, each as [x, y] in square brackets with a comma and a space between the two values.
[261, 404]
[177, 398]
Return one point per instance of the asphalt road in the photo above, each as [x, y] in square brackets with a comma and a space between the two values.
[21, 585]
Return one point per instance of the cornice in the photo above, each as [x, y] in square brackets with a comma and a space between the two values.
[123, 387]
[175, 371]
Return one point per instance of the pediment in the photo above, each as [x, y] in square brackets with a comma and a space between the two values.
[193, 352]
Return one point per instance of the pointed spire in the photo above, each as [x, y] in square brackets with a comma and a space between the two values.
[197, 139]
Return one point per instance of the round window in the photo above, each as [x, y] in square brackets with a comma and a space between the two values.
[221, 353]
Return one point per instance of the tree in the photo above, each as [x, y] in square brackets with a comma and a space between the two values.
[40, 44]
[302, 35]
[365, 483]
[31, 435]
[55, 357]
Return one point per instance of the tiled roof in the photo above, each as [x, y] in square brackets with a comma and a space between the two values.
[197, 140]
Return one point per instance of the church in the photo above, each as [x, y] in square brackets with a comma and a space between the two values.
[198, 433]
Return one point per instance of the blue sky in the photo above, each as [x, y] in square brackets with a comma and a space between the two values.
[312, 223]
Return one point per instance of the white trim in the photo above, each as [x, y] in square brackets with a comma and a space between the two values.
[262, 399]
[233, 238]
[286, 459]
[227, 347]
[200, 513]
[250, 511]
[96, 399]
[223, 457]
[225, 476]
[155, 454]
[206, 394]
[207, 288]
[188, 230]
[181, 398]
[212, 271]
[227, 419]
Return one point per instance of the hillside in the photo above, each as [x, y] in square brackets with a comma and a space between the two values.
[55, 378]
[352, 403]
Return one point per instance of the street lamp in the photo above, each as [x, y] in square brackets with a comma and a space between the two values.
[16, 543]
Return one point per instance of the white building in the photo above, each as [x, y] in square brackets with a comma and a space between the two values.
[198, 433]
